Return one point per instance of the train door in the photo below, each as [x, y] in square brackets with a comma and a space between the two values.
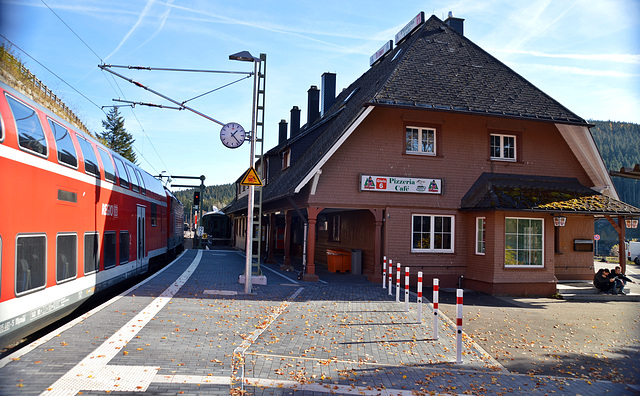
[141, 237]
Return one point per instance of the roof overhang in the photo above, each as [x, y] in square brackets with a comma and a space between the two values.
[367, 110]
[583, 146]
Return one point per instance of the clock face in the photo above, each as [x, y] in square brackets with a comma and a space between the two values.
[232, 135]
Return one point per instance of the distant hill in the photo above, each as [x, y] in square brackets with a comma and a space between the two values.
[218, 196]
[619, 145]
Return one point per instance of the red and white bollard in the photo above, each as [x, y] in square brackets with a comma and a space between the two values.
[419, 296]
[436, 289]
[406, 289]
[384, 272]
[390, 275]
[459, 325]
[398, 282]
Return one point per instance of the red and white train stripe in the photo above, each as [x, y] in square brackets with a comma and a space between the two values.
[74, 217]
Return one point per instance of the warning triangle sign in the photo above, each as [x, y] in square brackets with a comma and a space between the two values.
[251, 178]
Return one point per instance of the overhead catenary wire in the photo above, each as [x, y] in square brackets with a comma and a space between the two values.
[138, 84]
[72, 31]
[50, 71]
[116, 88]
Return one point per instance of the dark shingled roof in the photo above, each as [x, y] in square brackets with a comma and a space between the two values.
[434, 68]
[443, 70]
[495, 191]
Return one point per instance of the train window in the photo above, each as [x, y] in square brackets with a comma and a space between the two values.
[124, 247]
[107, 165]
[90, 159]
[122, 173]
[31, 263]
[109, 249]
[66, 257]
[1, 129]
[142, 188]
[91, 256]
[65, 148]
[30, 133]
[134, 179]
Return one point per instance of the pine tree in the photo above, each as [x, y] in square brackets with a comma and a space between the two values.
[116, 137]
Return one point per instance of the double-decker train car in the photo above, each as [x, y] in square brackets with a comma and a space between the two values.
[75, 217]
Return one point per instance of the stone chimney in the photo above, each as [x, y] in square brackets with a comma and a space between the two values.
[456, 24]
[328, 90]
[282, 131]
[295, 121]
[313, 105]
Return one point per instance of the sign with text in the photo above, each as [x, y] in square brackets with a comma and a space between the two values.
[381, 52]
[400, 184]
[414, 23]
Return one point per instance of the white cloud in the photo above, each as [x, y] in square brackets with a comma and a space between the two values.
[142, 15]
[616, 58]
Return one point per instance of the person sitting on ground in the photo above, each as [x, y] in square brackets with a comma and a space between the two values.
[620, 279]
[602, 282]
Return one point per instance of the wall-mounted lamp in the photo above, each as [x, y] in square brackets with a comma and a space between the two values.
[559, 221]
[631, 223]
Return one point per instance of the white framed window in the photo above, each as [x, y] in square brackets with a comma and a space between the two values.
[432, 234]
[286, 159]
[420, 140]
[480, 234]
[503, 147]
[524, 242]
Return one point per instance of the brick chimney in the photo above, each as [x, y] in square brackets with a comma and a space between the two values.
[328, 90]
[313, 105]
[295, 121]
[456, 24]
[282, 131]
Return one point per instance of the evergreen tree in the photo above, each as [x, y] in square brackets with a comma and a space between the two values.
[116, 137]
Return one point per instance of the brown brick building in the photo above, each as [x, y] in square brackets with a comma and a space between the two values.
[441, 158]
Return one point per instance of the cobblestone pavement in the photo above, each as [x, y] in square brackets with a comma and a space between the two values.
[190, 329]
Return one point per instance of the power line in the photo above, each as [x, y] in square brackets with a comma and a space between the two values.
[108, 81]
[72, 31]
[49, 70]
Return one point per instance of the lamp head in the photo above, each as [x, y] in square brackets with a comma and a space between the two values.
[244, 56]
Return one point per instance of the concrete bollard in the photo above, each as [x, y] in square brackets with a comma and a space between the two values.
[436, 289]
[398, 282]
[459, 326]
[419, 296]
[390, 274]
[406, 289]
[384, 272]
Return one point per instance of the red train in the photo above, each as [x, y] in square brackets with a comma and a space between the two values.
[75, 217]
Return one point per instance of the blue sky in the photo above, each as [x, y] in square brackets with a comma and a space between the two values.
[584, 53]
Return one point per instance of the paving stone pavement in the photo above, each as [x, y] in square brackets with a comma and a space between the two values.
[190, 329]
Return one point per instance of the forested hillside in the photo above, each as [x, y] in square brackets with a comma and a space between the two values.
[218, 196]
[619, 145]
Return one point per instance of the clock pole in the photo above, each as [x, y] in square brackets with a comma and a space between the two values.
[248, 272]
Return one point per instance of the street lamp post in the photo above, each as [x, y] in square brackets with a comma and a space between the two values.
[245, 56]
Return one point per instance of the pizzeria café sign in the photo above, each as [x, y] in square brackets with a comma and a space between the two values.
[400, 184]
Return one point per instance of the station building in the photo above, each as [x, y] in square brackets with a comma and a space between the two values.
[443, 159]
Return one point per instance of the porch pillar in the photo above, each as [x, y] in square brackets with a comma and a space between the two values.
[310, 273]
[271, 256]
[377, 245]
[622, 251]
[286, 266]
[620, 228]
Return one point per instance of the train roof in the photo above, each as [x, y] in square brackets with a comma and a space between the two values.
[150, 183]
